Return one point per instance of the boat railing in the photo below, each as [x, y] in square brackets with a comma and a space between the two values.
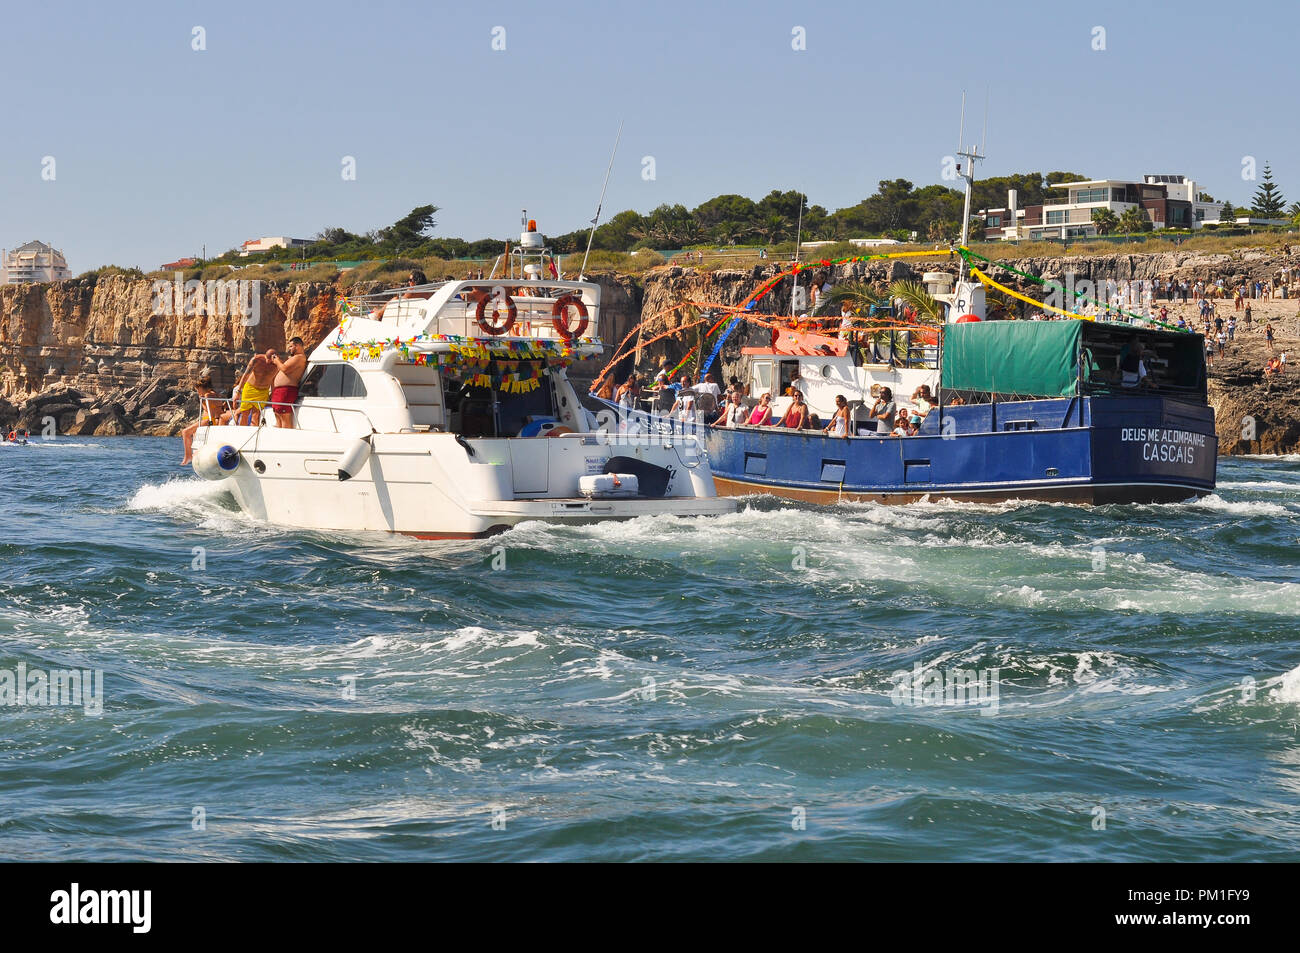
[534, 303]
[267, 410]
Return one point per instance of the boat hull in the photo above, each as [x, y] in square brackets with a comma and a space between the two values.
[433, 486]
[1072, 450]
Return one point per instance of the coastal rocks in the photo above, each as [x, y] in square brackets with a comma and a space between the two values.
[159, 407]
[1254, 413]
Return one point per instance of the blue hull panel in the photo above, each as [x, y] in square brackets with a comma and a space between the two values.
[1091, 450]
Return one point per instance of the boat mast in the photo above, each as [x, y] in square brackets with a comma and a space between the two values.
[798, 241]
[973, 156]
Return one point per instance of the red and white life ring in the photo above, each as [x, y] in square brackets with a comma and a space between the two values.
[493, 325]
[560, 318]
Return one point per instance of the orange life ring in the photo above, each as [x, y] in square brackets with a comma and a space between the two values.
[494, 326]
[560, 321]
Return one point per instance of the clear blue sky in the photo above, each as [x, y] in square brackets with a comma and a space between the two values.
[159, 149]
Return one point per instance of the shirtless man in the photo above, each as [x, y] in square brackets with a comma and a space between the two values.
[287, 377]
[254, 392]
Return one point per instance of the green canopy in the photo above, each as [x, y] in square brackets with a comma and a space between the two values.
[1027, 358]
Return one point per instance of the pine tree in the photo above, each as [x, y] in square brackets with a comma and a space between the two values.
[1268, 198]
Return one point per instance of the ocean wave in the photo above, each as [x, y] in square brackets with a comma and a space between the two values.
[1287, 688]
[1241, 507]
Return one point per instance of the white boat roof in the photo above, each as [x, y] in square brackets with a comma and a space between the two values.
[442, 316]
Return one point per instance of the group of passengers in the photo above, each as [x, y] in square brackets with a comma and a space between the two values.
[267, 379]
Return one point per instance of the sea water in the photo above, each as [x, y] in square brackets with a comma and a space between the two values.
[939, 681]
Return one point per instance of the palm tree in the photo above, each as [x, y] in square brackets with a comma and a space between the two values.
[861, 296]
[1105, 220]
[913, 294]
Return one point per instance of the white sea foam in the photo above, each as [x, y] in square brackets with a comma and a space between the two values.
[180, 493]
[1241, 507]
[201, 502]
[1259, 485]
[1273, 457]
[1288, 688]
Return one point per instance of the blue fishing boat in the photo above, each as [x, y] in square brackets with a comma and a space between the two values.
[1073, 411]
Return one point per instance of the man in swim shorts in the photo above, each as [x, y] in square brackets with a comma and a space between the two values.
[254, 392]
[287, 377]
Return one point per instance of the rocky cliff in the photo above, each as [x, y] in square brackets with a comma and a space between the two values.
[108, 357]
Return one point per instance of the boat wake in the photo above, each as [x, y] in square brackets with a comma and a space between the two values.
[209, 505]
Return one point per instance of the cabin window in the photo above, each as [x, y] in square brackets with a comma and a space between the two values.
[789, 376]
[340, 380]
[762, 378]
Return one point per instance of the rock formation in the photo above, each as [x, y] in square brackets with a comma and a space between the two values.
[118, 355]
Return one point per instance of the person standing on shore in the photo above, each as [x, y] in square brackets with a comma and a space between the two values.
[1268, 336]
[284, 393]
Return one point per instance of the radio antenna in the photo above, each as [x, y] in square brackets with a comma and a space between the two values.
[596, 221]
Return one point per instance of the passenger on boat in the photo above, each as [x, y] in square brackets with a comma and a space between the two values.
[416, 278]
[923, 400]
[254, 390]
[733, 412]
[796, 418]
[628, 392]
[761, 415]
[883, 411]
[284, 393]
[840, 423]
[684, 406]
[662, 378]
[846, 322]
[709, 386]
[1131, 367]
[209, 408]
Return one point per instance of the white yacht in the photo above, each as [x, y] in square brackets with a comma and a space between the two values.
[445, 411]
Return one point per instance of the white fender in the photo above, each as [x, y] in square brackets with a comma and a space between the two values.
[354, 458]
[216, 463]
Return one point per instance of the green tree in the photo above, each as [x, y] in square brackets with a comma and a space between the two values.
[411, 229]
[1268, 198]
[1134, 220]
[1105, 220]
[672, 226]
[1227, 214]
[620, 232]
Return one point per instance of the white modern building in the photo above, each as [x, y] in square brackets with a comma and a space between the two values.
[33, 262]
[271, 241]
[1168, 200]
